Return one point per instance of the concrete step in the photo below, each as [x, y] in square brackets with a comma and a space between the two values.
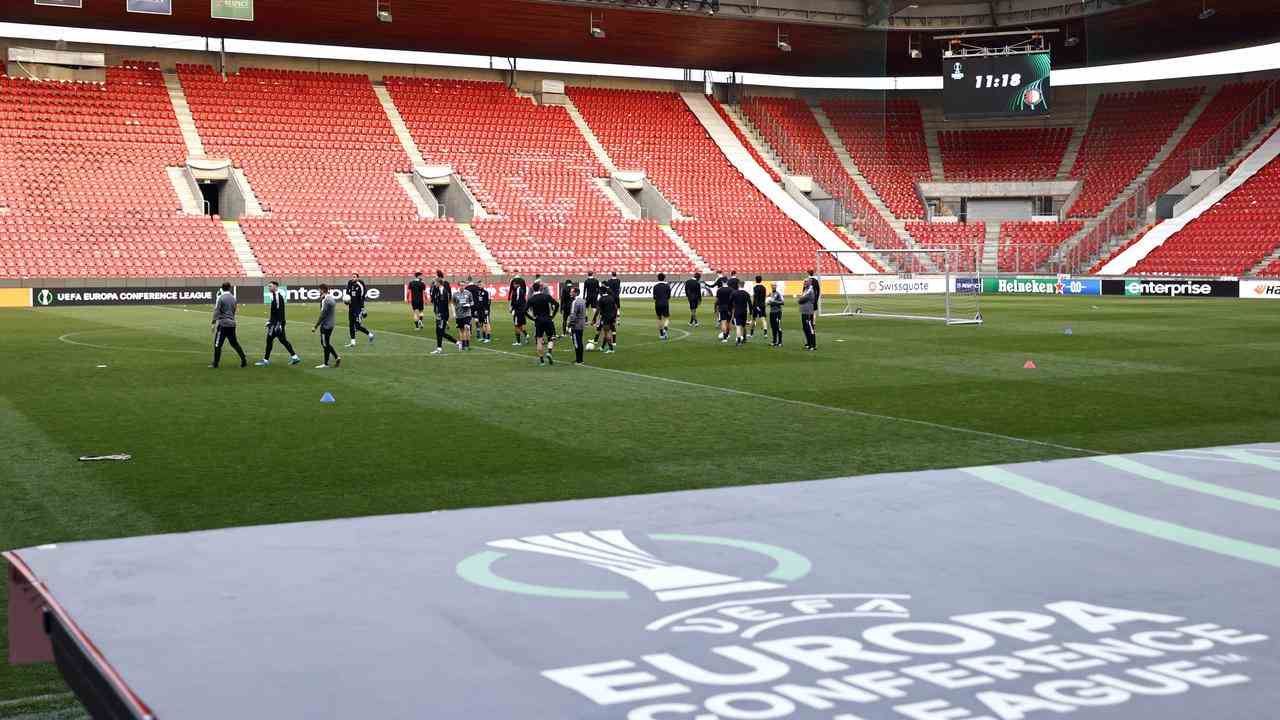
[178, 178]
[240, 244]
[589, 135]
[991, 249]
[405, 181]
[490, 262]
[625, 210]
[182, 110]
[755, 139]
[1274, 256]
[397, 124]
[251, 204]
[686, 248]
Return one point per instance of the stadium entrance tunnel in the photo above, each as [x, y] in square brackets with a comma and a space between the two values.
[215, 188]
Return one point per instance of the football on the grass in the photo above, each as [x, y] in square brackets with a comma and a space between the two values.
[590, 346]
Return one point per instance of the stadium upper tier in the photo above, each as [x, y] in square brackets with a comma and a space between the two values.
[86, 191]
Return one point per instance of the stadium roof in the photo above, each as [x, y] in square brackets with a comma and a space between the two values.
[729, 40]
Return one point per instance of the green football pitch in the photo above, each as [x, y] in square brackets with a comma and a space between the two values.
[410, 432]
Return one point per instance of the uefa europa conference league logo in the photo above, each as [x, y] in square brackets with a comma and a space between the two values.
[851, 656]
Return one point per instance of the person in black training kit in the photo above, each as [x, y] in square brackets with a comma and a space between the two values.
[479, 310]
[741, 306]
[693, 293]
[724, 306]
[758, 294]
[566, 304]
[275, 327]
[327, 321]
[662, 304]
[775, 316]
[808, 306]
[542, 310]
[615, 287]
[816, 285]
[606, 320]
[720, 282]
[518, 296]
[417, 299]
[355, 297]
[441, 300]
[224, 326]
[591, 289]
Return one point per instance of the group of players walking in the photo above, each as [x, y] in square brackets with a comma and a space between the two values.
[738, 310]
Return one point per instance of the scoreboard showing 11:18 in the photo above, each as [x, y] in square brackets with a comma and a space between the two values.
[996, 85]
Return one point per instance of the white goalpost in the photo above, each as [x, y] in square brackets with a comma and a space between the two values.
[934, 284]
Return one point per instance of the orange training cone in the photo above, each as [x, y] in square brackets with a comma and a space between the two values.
[1029, 365]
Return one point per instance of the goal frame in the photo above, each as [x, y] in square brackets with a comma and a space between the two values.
[941, 262]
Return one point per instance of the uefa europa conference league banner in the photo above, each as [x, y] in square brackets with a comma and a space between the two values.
[53, 297]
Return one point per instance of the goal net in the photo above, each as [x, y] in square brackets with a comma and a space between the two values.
[932, 284]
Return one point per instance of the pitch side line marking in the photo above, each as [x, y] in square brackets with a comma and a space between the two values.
[1126, 520]
[35, 699]
[1133, 467]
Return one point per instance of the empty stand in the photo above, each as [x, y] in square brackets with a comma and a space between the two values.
[1006, 154]
[730, 223]
[535, 174]
[886, 141]
[82, 173]
[965, 238]
[1271, 270]
[1220, 111]
[1026, 246]
[322, 158]
[1229, 238]
[790, 128]
[1126, 132]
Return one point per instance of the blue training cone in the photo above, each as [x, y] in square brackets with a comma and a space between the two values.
[327, 398]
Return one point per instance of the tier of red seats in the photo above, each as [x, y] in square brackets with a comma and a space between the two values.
[965, 238]
[1127, 130]
[731, 224]
[82, 175]
[1004, 154]
[322, 158]
[1229, 238]
[742, 138]
[1226, 104]
[886, 141]
[533, 171]
[1271, 270]
[791, 130]
[1025, 246]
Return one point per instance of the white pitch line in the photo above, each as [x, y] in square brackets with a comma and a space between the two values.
[813, 405]
[34, 699]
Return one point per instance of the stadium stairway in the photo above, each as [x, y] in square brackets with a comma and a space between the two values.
[1078, 130]
[244, 253]
[593, 142]
[397, 124]
[757, 143]
[1135, 253]
[1165, 150]
[934, 150]
[846, 160]
[182, 187]
[990, 263]
[738, 156]
[1260, 269]
[186, 122]
[477, 245]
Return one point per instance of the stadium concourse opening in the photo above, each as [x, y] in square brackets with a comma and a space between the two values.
[545, 491]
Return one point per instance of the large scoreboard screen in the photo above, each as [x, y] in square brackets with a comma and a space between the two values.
[977, 86]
